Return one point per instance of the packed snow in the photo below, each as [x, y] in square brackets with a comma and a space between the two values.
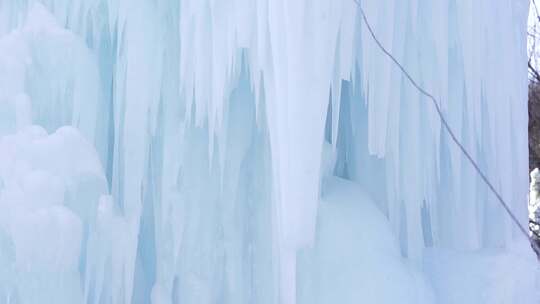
[262, 151]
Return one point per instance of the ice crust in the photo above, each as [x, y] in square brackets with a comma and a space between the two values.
[261, 151]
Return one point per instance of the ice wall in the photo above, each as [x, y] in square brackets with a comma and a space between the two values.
[216, 124]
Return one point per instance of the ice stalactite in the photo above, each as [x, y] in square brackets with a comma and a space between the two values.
[249, 151]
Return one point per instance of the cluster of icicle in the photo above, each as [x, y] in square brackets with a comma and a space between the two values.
[214, 124]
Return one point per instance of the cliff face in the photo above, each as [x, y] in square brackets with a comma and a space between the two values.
[534, 162]
[534, 125]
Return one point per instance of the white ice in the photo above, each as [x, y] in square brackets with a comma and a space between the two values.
[261, 151]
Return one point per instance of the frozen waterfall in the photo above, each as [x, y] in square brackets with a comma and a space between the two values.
[261, 151]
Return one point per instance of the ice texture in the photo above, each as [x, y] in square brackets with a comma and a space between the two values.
[261, 151]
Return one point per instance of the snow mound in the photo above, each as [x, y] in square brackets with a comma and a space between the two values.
[48, 185]
[356, 257]
[486, 276]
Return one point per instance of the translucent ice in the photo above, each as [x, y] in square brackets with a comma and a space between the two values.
[259, 151]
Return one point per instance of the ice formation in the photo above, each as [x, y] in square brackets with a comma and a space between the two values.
[261, 151]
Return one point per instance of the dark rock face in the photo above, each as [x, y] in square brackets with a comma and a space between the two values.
[534, 125]
[534, 162]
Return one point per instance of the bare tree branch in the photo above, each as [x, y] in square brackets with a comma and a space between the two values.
[533, 71]
[536, 10]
